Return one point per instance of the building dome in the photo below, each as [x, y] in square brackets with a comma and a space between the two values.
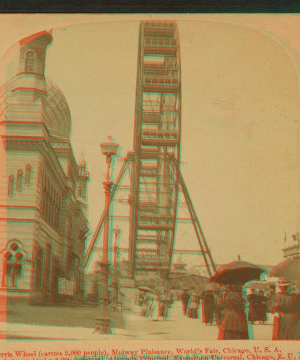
[56, 106]
[55, 110]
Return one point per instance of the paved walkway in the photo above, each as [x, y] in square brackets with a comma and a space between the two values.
[137, 327]
[25, 331]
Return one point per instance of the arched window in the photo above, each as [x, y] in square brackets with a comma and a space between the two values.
[11, 186]
[29, 62]
[79, 192]
[28, 175]
[14, 260]
[20, 180]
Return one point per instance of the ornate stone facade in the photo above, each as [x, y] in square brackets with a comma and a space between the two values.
[44, 189]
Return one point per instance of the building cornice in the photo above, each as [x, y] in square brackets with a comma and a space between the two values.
[35, 90]
[19, 207]
[17, 219]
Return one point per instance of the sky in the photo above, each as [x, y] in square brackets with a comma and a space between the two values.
[240, 115]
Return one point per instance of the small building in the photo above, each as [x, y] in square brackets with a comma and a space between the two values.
[293, 250]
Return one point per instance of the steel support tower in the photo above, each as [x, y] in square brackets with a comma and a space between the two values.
[155, 162]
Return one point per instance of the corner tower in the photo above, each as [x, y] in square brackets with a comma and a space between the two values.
[33, 53]
[29, 76]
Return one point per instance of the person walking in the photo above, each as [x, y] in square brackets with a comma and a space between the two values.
[253, 313]
[185, 297]
[166, 301]
[143, 302]
[155, 306]
[163, 304]
[193, 306]
[234, 326]
[211, 304]
[220, 307]
[208, 307]
[262, 307]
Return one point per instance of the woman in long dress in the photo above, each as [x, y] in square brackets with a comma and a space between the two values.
[253, 313]
[205, 306]
[262, 307]
[166, 301]
[193, 306]
[220, 307]
[148, 303]
[155, 307]
[185, 297]
[143, 300]
[235, 326]
[211, 300]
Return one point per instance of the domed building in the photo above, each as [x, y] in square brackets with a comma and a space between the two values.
[44, 189]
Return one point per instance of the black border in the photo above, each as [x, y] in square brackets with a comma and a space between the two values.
[149, 6]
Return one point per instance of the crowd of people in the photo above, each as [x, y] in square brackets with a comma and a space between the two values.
[208, 300]
[232, 309]
[155, 305]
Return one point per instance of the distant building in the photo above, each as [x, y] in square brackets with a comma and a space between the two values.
[293, 250]
[44, 189]
[145, 277]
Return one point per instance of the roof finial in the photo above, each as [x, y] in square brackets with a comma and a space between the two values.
[81, 160]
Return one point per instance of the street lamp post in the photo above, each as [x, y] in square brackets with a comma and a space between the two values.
[109, 149]
[117, 232]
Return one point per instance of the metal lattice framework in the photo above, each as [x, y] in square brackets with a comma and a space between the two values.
[156, 178]
[157, 136]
